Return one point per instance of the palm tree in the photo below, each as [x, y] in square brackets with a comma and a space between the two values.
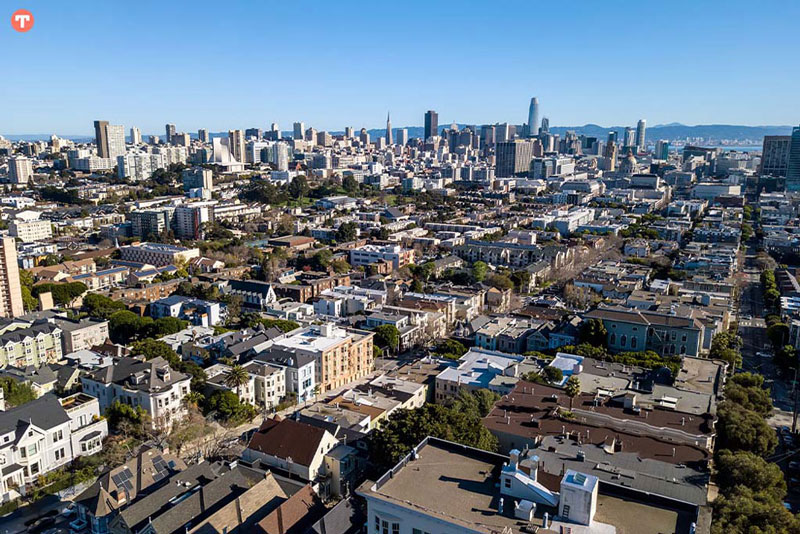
[237, 377]
[572, 388]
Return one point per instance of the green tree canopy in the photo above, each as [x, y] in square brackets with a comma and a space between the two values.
[593, 332]
[388, 336]
[740, 429]
[479, 270]
[101, 306]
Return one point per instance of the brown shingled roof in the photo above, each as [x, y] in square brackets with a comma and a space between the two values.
[287, 438]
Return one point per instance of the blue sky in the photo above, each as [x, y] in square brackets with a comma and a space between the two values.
[237, 64]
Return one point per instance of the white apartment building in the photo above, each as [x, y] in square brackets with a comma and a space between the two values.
[20, 170]
[189, 219]
[369, 254]
[158, 254]
[45, 434]
[139, 166]
[151, 384]
[29, 227]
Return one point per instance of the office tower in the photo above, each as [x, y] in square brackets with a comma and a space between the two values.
[775, 155]
[610, 154]
[324, 139]
[348, 132]
[502, 133]
[545, 125]
[153, 140]
[181, 139]
[487, 135]
[252, 132]
[136, 136]
[280, 156]
[629, 138]
[612, 137]
[101, 138]
[202, 134]
[275, 128]
[640, 134]
[402, 136]
[197, 177]
[431, 124]
[513, 158]
[793, 168]
[10, 288]
[311, 135]
[388, 129]
[364, 137]
[662, 149]
[533, 118]
[20, 170]
[170, 129]
[236, 144]
[299, 128]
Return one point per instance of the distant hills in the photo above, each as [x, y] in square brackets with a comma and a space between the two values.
[672, 132]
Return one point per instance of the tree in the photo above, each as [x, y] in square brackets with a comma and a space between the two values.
[405, 429]
[125, 326]
[16, 393]
[298, 187]
[479, 270]
[500, 281]
[346, 232]
[127, 419]
[743, 468]
[152, 348]
[350, 184]
[747, 391]
[572, 388]
[521, 280]
[594, 333]
[236, 378]
[450, 348]
[388, 336]
[101, 306]
[63, 294]
[740, 429]
[745, 511]
[553, 374]
[778, 334]
[229, 408]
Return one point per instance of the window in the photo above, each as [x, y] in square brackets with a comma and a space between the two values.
[377, 525]
[34, 469]
[683, 337]
[634, 341]
[395, 528]
[58, 436]
[507, 482]
[59, 454]
[613, 339]
[623, 340]
[683, 349]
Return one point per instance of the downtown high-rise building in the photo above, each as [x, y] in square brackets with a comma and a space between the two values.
[136, 136]
[793, 168]
[402, 136]
[533, 118]
[662, 150]
[545, 125]
[101, 138]
[775, 155]
[388, 129]
[253, 132]
[10, 287]
[170, 130]
[236, 145]
[202, 135]
[431, 124]
[641, 128]
[298, 130]
[513, 158]
[348, 132]
[629, 139]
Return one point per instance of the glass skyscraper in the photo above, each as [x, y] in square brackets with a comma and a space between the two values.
[793, 172]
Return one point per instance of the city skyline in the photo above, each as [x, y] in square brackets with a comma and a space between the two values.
[355, 66]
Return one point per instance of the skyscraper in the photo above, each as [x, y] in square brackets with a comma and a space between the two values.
[641, 127]
[202, 134]
[136, 136]
[20, 169]
[298, 130]
[170, 129]
[431, 124]
[101, 138]
[513, 158]
[236, 144]
[402, 136]
[348, 132]
[629, 139]
[533, 118]
[388, 129]
[662, 149]
[793, 170]
[253, 132]
[10, 288]
[775, 155]
[545, 125]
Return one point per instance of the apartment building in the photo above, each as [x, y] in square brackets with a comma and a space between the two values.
[151, 384]
[158, 254]
[10, 288]
[83, 334]
[369, 254]
[23, 344]
[32, 230]
[341, 355]
[45, 434]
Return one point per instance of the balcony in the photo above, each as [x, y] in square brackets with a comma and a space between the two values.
[79, 525]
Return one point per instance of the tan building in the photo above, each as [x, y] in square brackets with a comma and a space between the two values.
[10, 289]
[342, 355]
[82, 335]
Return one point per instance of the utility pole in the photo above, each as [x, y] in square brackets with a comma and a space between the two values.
[794, 411]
